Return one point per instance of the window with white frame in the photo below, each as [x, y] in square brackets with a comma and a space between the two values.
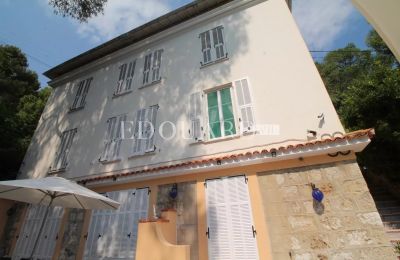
[144, 130]
[221, 120]
[151, 69]
[81, 93]
[113, 139]
[61, 158]
[213, 45]
[126, 73]
[225, 116]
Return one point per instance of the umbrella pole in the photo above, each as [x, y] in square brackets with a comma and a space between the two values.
[41, 228]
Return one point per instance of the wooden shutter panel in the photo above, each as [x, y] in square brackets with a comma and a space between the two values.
[65, 152]
[205, 39]
[129, 77]
[139, 142]
[30, 229]
[243, 95]
[195, 115]
[150, 128]
[146, 69]
[108, 142]
[85, 91]
[118, 228]
[118, 136]
[218, 42]
[78, 94]
[156, 65]
[121, 78]
[229, 220]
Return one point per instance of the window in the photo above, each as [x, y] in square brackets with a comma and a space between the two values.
[112, 144]
[126, 73]
[61, 160]
[214, 36]
[220, 113]
[144, 130]
[80, 97]
[152, 62]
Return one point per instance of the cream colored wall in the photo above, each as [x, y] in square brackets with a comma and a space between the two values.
[264, 45]
[384, 17]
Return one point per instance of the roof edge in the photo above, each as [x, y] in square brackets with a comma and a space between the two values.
[142, 32]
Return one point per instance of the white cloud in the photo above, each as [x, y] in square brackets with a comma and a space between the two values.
[322, 21]
[119, 17]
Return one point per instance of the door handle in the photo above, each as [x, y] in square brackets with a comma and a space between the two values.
[208, 233]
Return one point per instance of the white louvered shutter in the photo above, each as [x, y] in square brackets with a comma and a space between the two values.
[78, 94]
[113, 233]
[129, 76]
[206, 46]
[156, 65]
[218, 42]
[139, 142]
[85, 92]
[146, 69]
[30, 230]
[108, 142]
[246, 119]
[195, 114]
[121, 78]
[150, 128]
[229, 220]
[65, 151]
[117, 138]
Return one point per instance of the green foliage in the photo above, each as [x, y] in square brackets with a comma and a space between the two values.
[365, 90]
[21, 104]
[80, 10]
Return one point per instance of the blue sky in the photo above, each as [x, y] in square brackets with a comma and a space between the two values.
[49, 39]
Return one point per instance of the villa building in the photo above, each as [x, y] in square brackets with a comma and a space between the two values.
[209, 125]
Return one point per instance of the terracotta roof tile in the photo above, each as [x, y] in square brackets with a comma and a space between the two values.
[349, 136]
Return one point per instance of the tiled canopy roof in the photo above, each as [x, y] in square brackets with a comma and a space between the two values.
[336, 137]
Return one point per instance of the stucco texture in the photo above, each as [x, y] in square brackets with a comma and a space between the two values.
[345, 226]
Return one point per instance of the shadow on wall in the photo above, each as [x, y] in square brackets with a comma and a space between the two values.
[182, 76]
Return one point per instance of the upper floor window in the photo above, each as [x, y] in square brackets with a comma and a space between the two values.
[144, 130]
[213, 45]
[113, 140]
[81, 93]
[227, 115]
[221, 119]
[61, 159]
[152, 65]
[126, 73]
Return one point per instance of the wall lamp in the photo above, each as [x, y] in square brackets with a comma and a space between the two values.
[316, 193]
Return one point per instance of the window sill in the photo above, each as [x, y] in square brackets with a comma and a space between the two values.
[123, 93]
[71, 110]
[220, 139]
[141, 154]
[110, 161]
[213, 62]
[151, 84]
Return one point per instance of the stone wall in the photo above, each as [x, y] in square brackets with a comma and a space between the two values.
[72, 234]
[186, 209]
[346, 225]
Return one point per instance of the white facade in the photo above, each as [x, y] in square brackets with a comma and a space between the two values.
[263, 45]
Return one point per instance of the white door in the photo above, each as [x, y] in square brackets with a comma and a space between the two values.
[30, 229]
[231, 232]
[113, 233]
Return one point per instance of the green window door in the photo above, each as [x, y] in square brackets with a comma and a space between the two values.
[220, 113]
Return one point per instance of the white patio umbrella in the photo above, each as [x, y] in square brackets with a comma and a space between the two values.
[54, 191]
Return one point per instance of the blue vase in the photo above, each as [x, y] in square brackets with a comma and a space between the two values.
[317, 194]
